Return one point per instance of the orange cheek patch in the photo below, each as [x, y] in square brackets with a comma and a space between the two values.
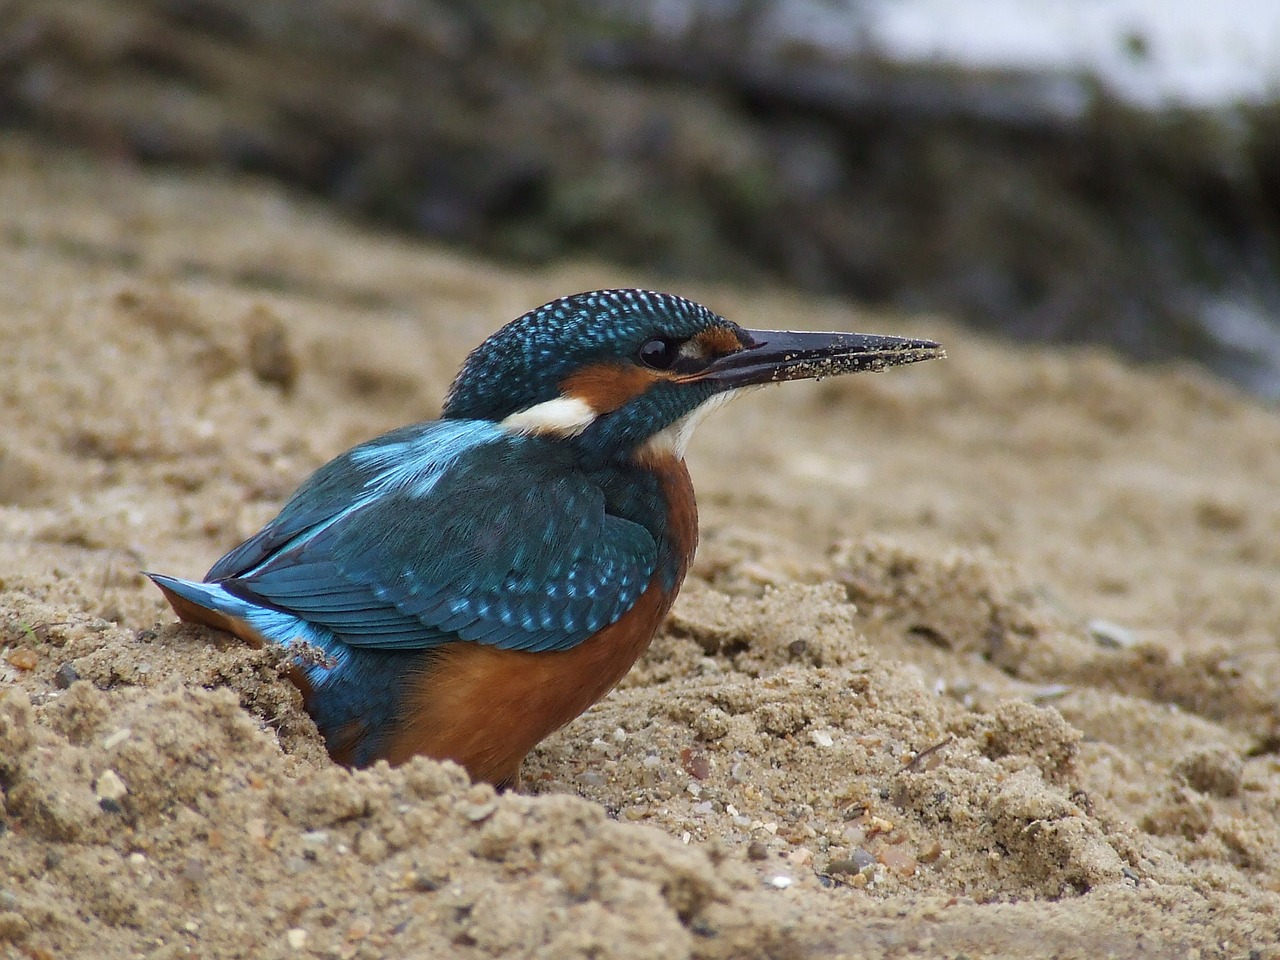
[716, 341]
[607, 386]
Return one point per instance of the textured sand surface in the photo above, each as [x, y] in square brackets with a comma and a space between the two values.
[978, 657]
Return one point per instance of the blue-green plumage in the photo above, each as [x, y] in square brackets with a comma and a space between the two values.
[464, 586]
[451, 530]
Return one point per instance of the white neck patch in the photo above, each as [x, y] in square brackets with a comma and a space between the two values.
[674, 439]
[565, 416]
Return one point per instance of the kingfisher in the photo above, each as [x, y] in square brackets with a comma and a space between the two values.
[463, 587]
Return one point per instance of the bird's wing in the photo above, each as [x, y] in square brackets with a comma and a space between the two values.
[416, 455]
[437, 533]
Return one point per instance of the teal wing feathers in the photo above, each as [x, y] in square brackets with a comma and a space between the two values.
[444, 531]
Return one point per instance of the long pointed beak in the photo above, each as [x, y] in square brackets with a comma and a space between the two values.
[777, 355]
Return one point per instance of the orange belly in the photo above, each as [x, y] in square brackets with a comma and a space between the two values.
[486, 708]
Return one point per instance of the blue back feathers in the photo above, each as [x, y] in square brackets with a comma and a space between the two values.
[453, 530]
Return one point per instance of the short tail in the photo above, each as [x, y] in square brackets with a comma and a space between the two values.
[334, 695]
[215, 606]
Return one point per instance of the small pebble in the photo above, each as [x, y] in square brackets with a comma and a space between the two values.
[822, 738]
[901, 860]
[695, 763]
[780, 881]
[756, 850]
[862, 859]
[619, 735]
[477, 812]
[1111, 635]
[800, 858]
[114, 740]
[24, 658]
[315, 839]
[931, 852]
[110, 787]
[1049, 691]
[296, 938]
[65, 676]
[650, 762]
[703, 809]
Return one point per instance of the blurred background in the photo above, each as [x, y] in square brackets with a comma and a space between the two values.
[1064, 170]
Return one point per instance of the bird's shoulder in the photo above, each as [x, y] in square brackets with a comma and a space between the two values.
[447, 530]
[404, 466]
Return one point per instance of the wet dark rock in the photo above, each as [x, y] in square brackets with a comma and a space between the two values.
[856, 862]
[65, 676]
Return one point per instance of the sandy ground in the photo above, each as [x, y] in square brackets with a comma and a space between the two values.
[978, 658]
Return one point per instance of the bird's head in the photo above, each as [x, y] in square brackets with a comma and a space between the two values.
[620, 371]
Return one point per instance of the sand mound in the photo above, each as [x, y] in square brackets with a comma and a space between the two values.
[979, 657]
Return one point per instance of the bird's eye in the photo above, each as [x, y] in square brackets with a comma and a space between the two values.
[659, 353]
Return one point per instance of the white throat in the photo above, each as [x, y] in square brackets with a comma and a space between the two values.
[674, 439]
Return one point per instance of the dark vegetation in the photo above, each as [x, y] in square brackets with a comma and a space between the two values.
[1029, 204]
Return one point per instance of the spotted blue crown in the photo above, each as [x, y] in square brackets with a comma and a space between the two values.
[523, 363]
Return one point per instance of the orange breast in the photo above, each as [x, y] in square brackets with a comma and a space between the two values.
[486, 708]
